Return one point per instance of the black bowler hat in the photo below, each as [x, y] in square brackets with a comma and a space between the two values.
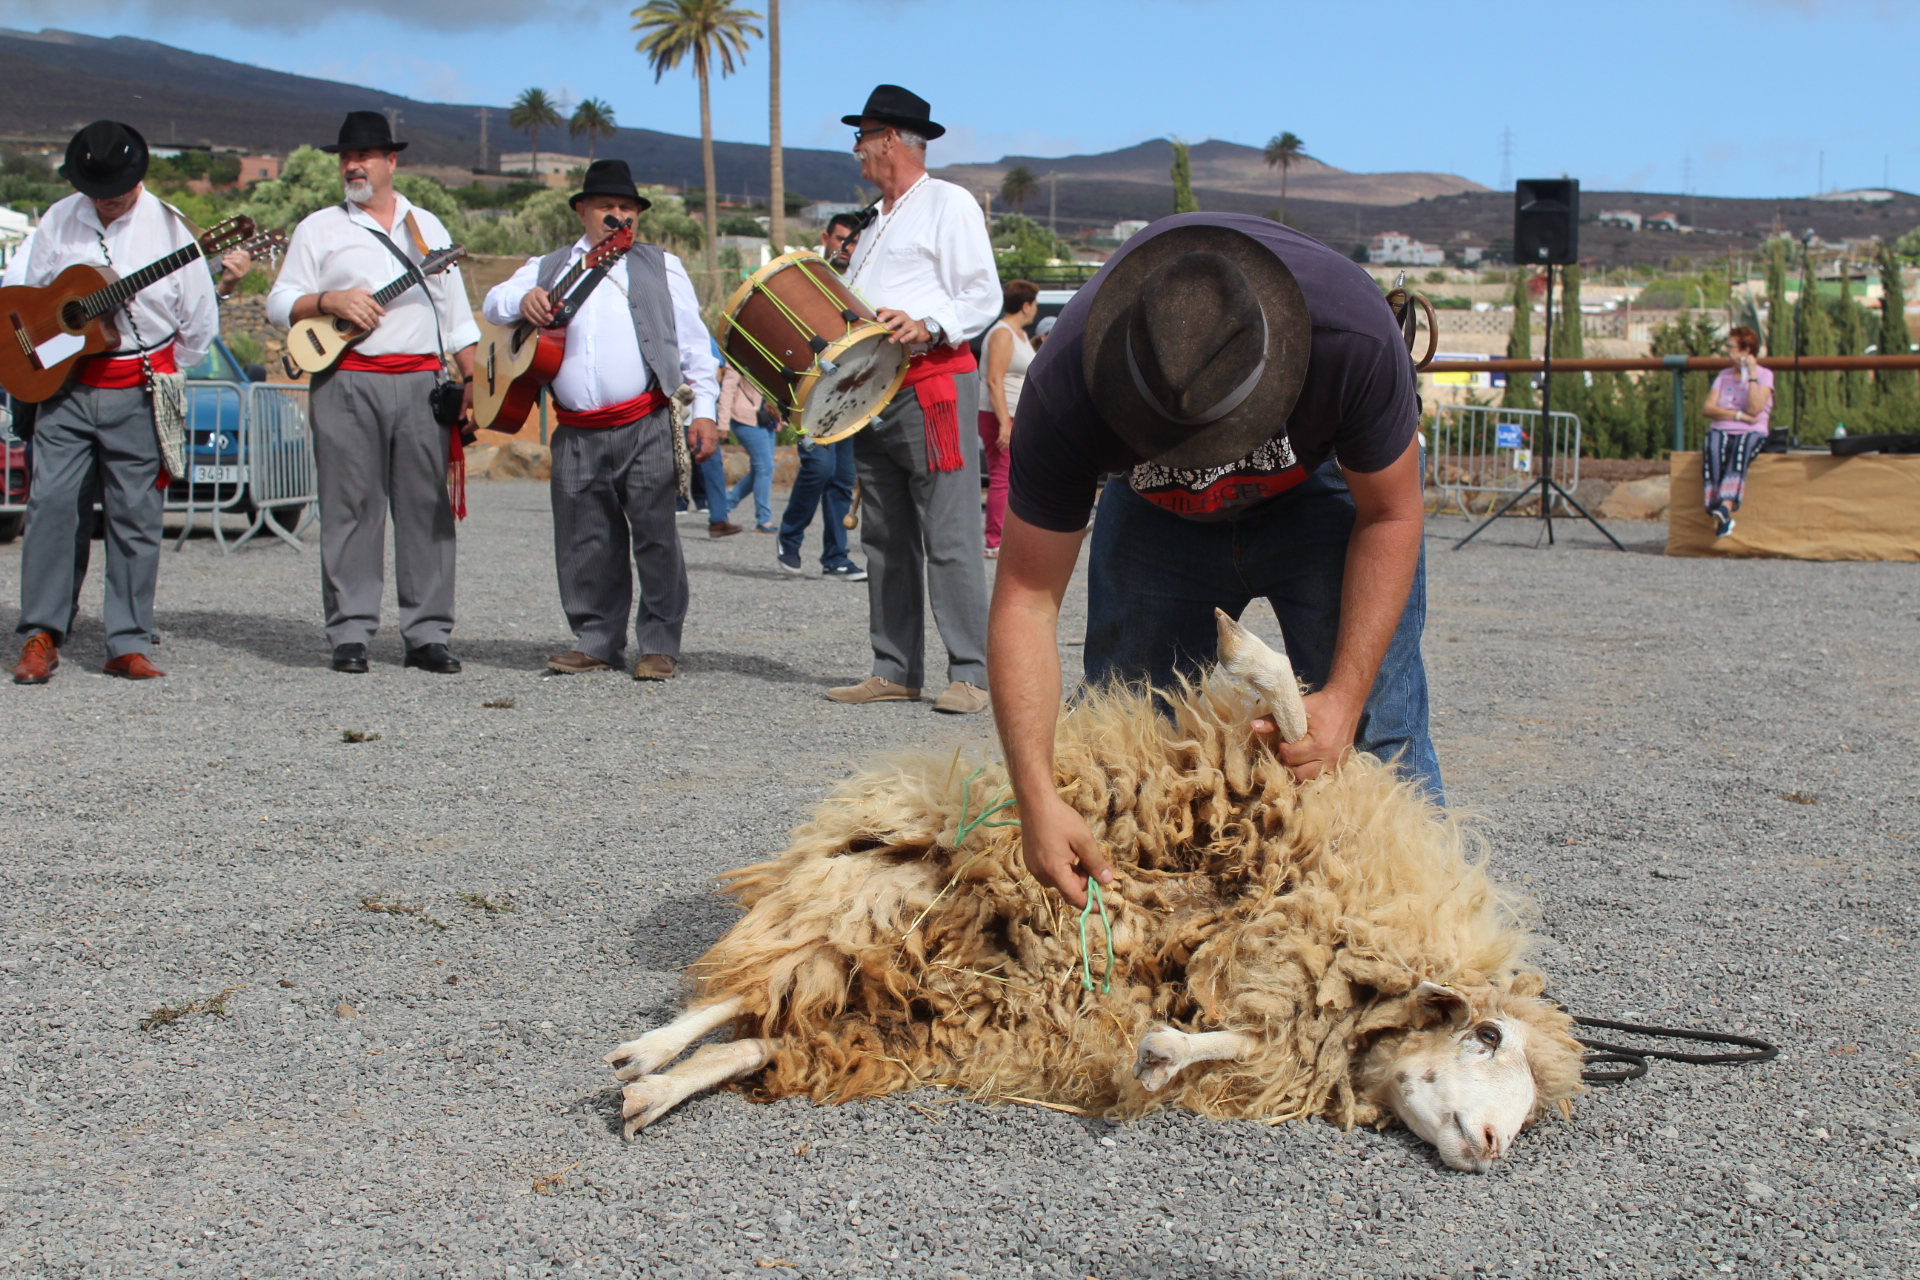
[609, 178]
[890, 104]
[105, 159]
[365, 131]
[1196, 346]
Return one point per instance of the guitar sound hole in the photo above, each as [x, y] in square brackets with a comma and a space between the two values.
[73, 314]
[342, 326]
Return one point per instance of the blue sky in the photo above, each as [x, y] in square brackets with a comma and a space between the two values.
[1742, 96]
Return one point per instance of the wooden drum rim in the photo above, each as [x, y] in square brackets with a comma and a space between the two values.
[759, 278]
[803, 390]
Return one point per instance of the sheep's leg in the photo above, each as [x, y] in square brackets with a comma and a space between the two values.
[1246, 656]
[1165, 1052]
[662, 1045]
[649, 1098]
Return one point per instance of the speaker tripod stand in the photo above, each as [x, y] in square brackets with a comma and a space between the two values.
[1549, 489]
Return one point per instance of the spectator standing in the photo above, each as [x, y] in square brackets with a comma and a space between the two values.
[709, 485]
[825, 481]
[744, 409]
[1008, 354]
[1042, 330]
[1739, 404]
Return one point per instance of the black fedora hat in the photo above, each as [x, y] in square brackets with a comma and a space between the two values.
[365, 131]
[609, 178]
[1196, 346]
[105, 159]
[890, 104]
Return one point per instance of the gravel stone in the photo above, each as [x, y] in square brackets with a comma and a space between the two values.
[1630, 728]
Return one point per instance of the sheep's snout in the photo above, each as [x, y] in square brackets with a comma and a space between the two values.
[1468, 1091]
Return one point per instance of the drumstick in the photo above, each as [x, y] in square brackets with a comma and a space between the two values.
[852, 518]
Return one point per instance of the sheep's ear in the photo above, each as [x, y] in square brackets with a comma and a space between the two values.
[1449, 1003]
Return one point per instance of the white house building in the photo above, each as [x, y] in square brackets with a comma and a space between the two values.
[1390, 248]
[1620, 218]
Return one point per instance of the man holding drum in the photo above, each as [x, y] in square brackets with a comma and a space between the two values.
[926, 264]
[635, 340]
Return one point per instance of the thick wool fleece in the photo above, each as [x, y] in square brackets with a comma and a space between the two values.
[878, 957]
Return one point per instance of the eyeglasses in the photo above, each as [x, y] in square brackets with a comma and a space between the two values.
[861, 135]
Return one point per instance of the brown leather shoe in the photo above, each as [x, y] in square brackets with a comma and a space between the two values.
[656, 666]
[39, 659]
[133, 666]
[962, 699]
[873, 689]
[573, 663]
[723, 529]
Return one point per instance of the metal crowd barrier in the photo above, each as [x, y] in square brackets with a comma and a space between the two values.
[1487, 450]
[252, 456]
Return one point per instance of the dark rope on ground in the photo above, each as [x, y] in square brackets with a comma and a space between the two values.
[1633, 1060]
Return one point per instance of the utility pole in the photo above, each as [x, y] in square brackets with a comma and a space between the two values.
[1053, 199]
[1506, 158]
[484, 166]
[1820, 185]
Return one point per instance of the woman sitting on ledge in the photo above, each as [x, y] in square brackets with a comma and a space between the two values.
[1738, 405]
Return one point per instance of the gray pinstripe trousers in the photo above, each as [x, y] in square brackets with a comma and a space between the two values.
[613, 492]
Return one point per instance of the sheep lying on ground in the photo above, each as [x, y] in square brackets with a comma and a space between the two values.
[1278, 949]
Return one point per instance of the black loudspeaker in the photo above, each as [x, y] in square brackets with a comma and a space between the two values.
[1546, 221]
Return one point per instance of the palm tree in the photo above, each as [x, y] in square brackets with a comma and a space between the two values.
[709, 31]
[1284, 150]
[593, 117]
[533, 111]
[776, 163]
[1019, 183]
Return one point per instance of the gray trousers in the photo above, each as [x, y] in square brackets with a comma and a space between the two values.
[922, 534]
[613, 493]
[92, 442]
[376, 445]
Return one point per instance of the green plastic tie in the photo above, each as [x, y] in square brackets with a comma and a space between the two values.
[1086, 961]
[999, 804]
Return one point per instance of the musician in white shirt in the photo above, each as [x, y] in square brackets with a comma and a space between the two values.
[375, 441]
[97, 436]
[636, 338]
[926, 264]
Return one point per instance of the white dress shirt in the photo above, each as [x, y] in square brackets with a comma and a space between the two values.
[181, 308]
[931, 258]
[331, 250]
[603, 365]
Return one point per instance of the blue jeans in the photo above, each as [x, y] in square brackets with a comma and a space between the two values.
[758, 442]
[825, 484]
[710, 486]
[1154, 580]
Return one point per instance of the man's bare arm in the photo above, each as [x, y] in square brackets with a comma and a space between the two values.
[1382, 553]
[1023, 671]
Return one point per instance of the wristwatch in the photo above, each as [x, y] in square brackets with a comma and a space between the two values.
[935, 334]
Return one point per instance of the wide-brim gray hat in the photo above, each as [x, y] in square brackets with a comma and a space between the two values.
[1196, 347]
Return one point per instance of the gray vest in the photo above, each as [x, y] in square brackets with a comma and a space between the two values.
[647, 299]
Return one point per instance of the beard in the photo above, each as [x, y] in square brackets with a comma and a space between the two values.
[359, 190]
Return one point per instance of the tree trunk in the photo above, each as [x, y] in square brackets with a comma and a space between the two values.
[706, 160]
[591, 137]
[777, 204]
[534, 134]
[1284, 166]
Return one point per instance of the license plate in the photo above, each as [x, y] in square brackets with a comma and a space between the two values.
[216, 475]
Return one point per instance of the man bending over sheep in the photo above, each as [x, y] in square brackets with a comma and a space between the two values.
[1222, 365]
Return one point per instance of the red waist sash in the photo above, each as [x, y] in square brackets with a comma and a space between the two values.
[118, 373]
[614, 415]
[401, 362]
[931, 377]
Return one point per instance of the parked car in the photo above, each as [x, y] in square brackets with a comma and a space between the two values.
[214, 422]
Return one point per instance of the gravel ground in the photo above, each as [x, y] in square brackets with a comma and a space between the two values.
[1704, 772]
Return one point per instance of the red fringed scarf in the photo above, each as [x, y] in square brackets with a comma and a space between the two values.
[931, 377]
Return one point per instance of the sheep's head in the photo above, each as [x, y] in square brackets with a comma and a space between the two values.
[1470, 1084]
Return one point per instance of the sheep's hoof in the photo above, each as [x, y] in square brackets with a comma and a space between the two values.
[640, 1057]
[644, 1101]
[1158, 1060]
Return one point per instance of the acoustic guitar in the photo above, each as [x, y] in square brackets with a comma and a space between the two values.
[317, 343]
[516, 361]
[57, 325]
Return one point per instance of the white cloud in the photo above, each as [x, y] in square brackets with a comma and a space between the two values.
[437, 15]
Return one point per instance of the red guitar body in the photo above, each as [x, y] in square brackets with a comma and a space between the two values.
[507, 380]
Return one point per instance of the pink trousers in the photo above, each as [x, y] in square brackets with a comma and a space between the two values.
[996, 476]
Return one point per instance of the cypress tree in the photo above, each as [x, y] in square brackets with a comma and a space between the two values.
[1896, 387]
[1183, 201]
[1818, 411]
[1569, 343]
[1849, 339]
[1779, 313]
[1519, 393]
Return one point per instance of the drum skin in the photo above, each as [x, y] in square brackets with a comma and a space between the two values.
[792, 326]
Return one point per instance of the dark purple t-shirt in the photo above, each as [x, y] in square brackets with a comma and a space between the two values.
[1357, 404]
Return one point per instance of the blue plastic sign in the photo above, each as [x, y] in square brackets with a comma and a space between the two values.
[1509, 436]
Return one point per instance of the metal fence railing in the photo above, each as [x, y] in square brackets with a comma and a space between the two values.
[249, 454]
[1486, 451]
